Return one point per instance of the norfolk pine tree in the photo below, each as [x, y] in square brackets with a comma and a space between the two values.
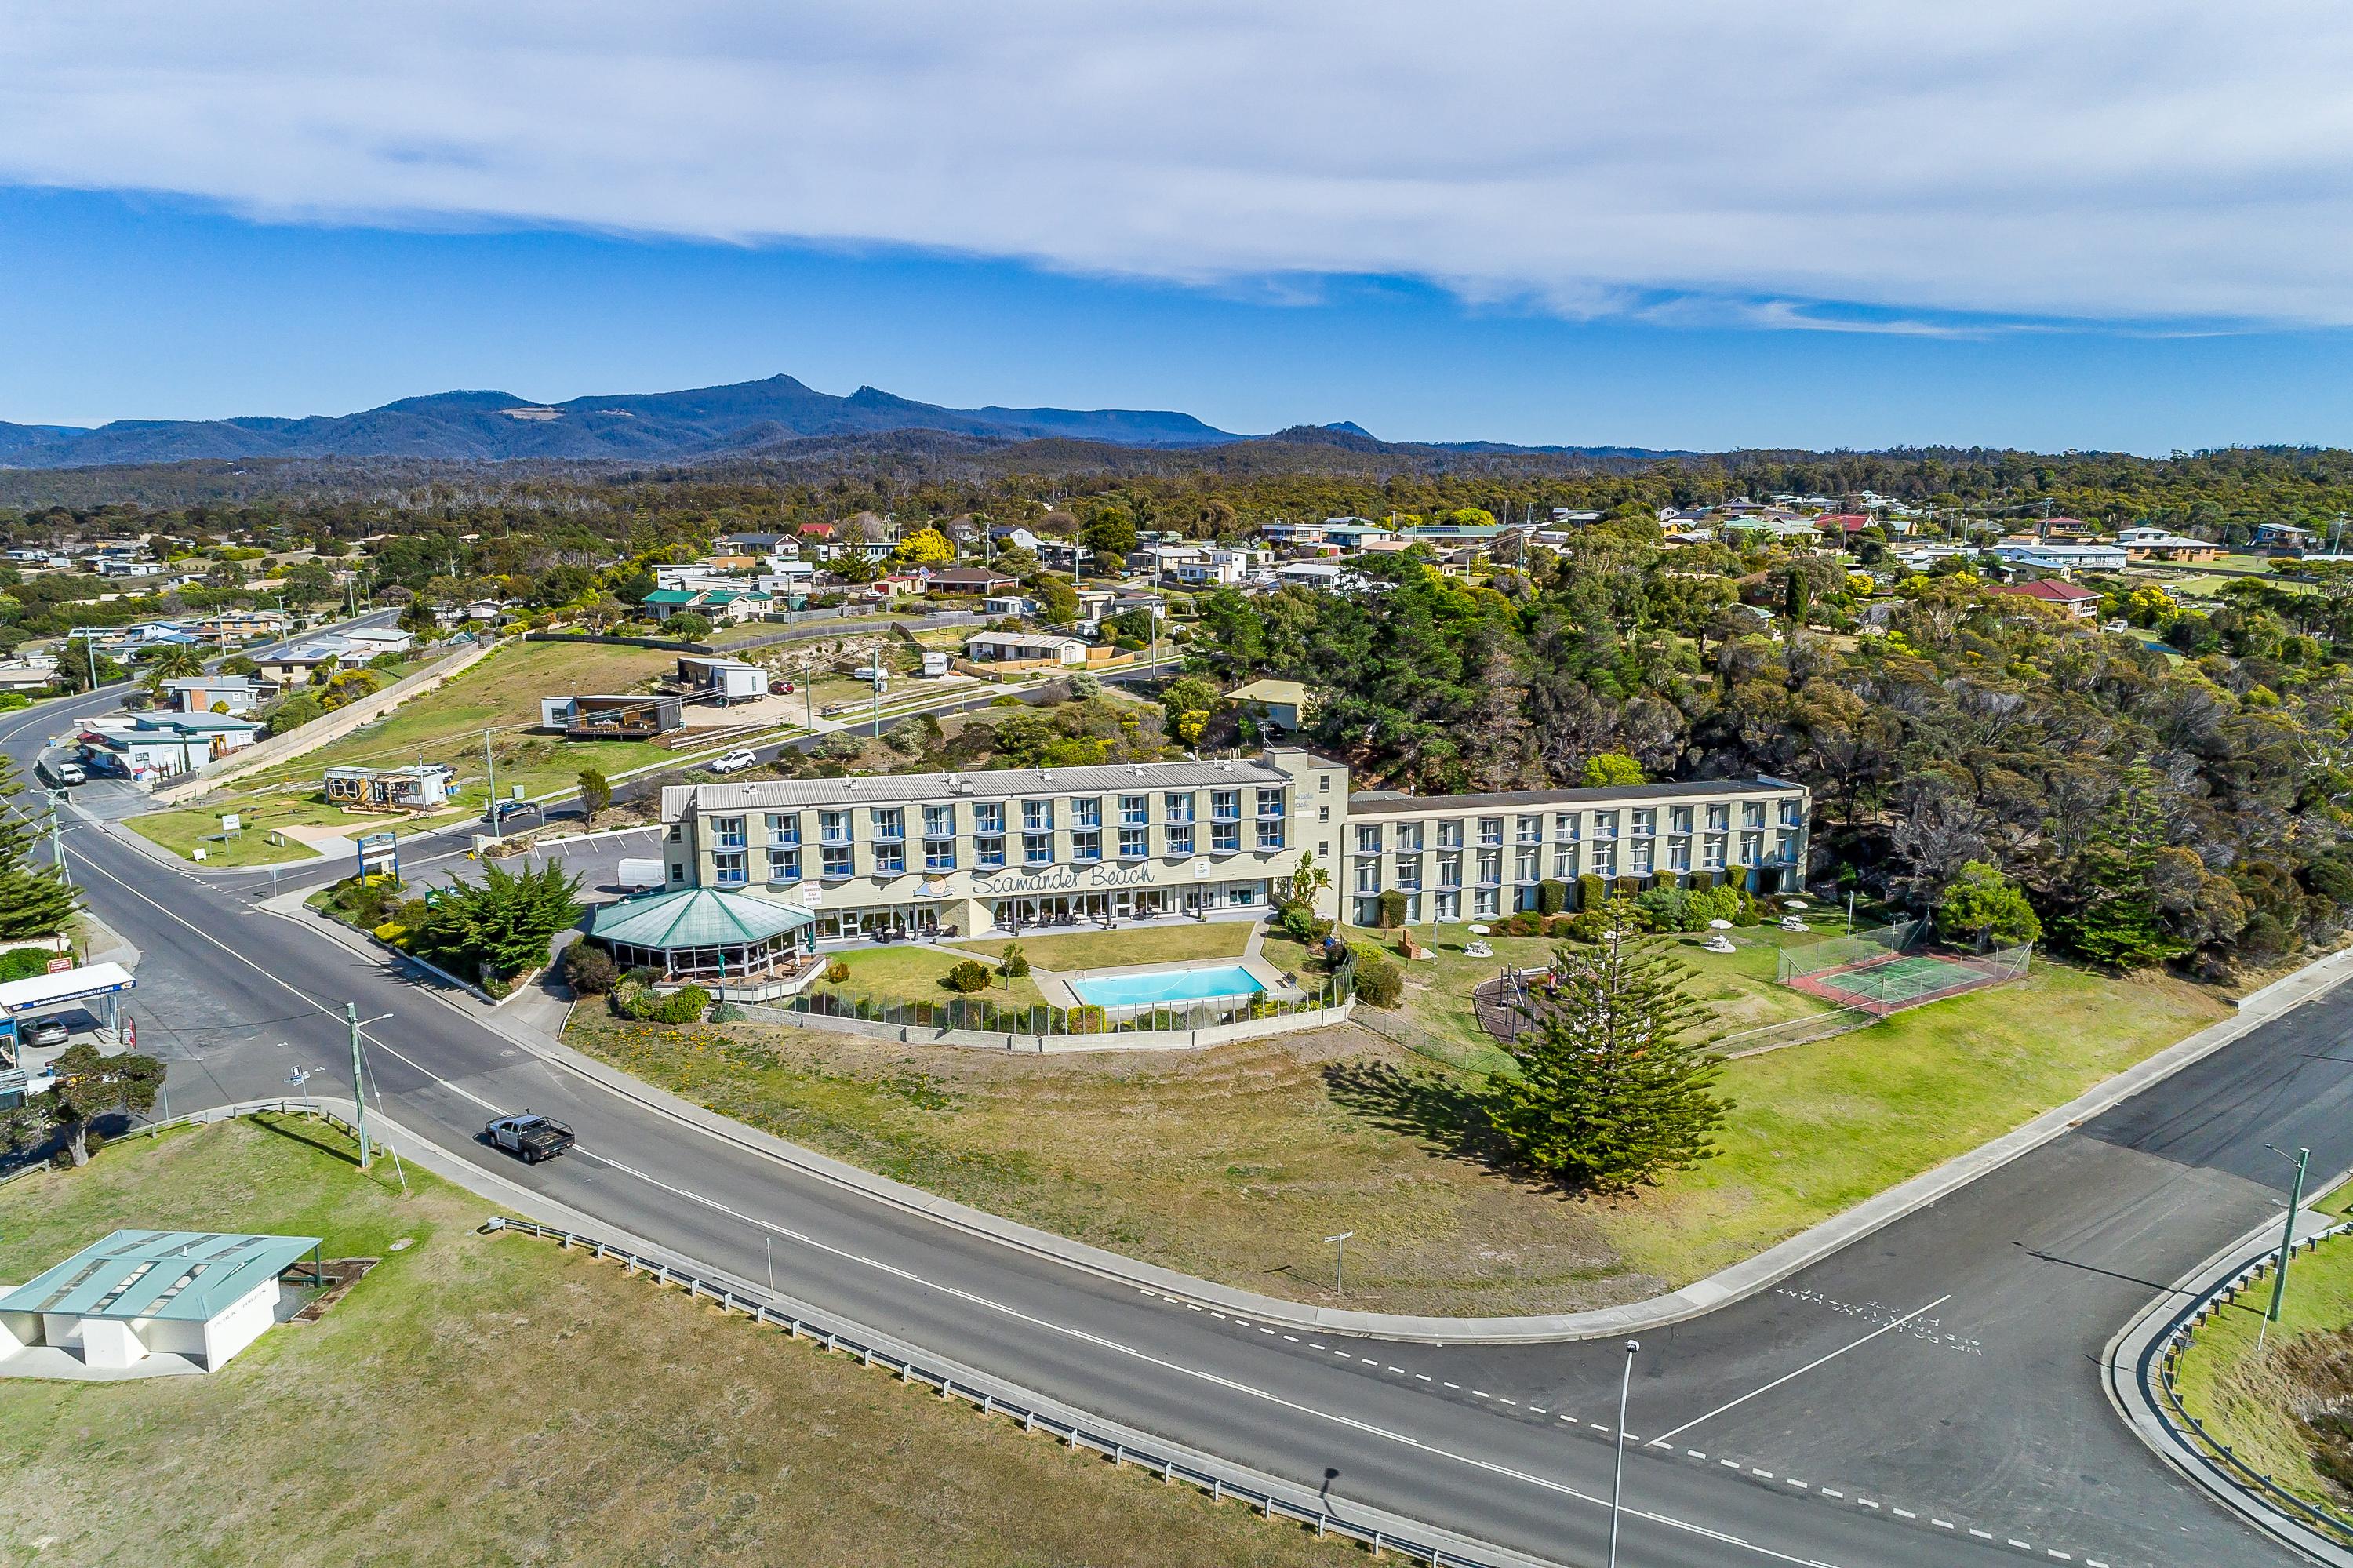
[35, 901]
[1613, 1089]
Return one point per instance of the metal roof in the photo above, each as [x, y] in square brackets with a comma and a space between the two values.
[65, 985]
[994, 783]
[1397, 802]
[187, 1274]
[694, 917]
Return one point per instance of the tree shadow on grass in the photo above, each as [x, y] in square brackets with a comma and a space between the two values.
[1438, 1112]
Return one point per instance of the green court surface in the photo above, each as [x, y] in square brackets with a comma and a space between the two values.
[1898, 980]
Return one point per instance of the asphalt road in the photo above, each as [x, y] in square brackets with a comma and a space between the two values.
[1938, 1378]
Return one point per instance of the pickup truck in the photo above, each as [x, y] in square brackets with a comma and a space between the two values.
[735, 762]
[530, 1135]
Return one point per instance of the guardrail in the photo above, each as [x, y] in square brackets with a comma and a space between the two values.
[1214, 1484]
[2175, 1413]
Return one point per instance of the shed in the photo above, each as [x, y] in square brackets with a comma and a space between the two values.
[1282, 703]
[201, 1294]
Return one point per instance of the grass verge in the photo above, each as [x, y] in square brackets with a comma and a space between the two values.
[491, 1400]
[1138, 945]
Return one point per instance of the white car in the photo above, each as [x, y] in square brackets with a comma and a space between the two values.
[70, 773]
[735, 762]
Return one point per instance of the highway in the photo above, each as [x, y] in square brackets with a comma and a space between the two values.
[1929, 1395]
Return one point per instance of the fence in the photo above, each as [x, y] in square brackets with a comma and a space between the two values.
[1043, 1026]
[2175, 1413]
[1074, 1431]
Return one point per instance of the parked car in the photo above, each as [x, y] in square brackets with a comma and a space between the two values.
[529, 1136]
[513, 808]
[735, 762]
[44, 1032]
[780, 688]
[66, 773]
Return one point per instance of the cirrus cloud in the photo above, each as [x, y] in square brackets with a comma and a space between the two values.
[1911, 165]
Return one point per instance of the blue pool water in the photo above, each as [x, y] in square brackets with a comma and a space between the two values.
[1174, 985]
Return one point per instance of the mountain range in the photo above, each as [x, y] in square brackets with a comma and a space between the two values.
[494, 427]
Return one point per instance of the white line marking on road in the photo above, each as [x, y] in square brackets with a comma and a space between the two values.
[1940, 1523]
[1981, 1534]
[1905, 1513]
[1803, 1371]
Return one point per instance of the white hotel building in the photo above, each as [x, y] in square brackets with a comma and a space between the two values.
[1011, 848]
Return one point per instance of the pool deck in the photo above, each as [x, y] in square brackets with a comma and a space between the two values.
[1055, 984]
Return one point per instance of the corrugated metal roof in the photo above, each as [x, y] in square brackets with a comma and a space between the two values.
[1397, 802]
[694, 917]
[994, 783]
[186, 1274]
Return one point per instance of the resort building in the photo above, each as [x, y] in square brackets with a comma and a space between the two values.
[883, 856]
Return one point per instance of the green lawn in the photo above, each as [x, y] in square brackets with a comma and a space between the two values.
[2248, 1398]
[483, 1399]
[1142, 945]
[912, 973]
[1233, 1163]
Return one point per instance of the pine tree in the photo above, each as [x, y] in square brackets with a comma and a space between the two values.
[35, 901]
[2119, 923]
[1613, 1090]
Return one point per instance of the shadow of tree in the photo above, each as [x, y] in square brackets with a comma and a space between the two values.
[1438, 1111]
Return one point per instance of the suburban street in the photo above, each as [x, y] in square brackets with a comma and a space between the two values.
[1929, 1395]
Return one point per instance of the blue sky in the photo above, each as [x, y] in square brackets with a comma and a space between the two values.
[2049, 225]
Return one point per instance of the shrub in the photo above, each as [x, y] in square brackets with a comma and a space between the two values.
[589, 969]
[1086, 1020]
[1378, 981]
[1301, 924]
[1013, 963]
[1552, 896]
[727, 1012]
[24, 963]
[1392, 908]
[1586, 925]
[969, 976]
[1628, 886]
[1592, 892]
[683, 1006]
[1702, 880]
[1561, 926]
[837, 971]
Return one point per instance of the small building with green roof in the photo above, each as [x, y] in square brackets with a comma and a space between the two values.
[194, 1296]
[702, 934]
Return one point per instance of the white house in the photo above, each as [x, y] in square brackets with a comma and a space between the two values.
[197, 1296]
[1309, 574]
[2063, 559]
[1024, 647]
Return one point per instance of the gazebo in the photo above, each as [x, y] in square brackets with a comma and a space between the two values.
[703, 933]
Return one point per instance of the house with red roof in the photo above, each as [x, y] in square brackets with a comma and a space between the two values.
[2080, 602]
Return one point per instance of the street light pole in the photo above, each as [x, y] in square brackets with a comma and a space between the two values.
[359, 1086]
[1618, 1480]
[2287, 1233]
[1339, 1260]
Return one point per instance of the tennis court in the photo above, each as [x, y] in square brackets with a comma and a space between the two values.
[1881, 982]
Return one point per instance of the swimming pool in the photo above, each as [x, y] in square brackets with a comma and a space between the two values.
[1173, 985]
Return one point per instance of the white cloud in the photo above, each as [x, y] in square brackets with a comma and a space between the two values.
[2109, 162]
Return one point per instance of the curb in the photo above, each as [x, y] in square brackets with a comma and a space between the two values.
[1743, 1279]
[2127, 1368]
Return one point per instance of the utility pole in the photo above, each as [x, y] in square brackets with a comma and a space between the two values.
[808, 688]
[1618, 1480]
[359, 1085]
[2287, 1233]
[56, 835]
[491, 766]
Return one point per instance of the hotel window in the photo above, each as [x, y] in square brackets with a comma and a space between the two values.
[833, 827]
[1528, 864]
[1450, 907]
[1531, 829]
[1450, 834]
[1679, 819]
[1486, 900]
[1037, 816]
[1135, 810]
[785, 829]
[727, 868]
[1368, 876]
[837, 860]
[1638, 857]
[1408, 873]
[1719, 817]
[1180, 841]
[1224, 838]
[1752, 848]
[1408, 837]
[1564, 862]
[1490, 829]
[784, 864]
[1787, 852]
[1134, 843]
[890, 823]
[1179, 806]
[1565, 827]
[989, 817]
[1037, 849]
[1225, 805]
[1752, 813]
[1085, 814]
[1269, 802]
[1646, 823]
[939, 855]
[1679, 856]
[1491, 868]
[1711, 854]
[1605, 859]
[1270, 834]
[939, 821]
[1793, 813]
[988, 853]
[891, 857]
[1086, 844]
[1368, 840]
[727, 832]
[1449, 870]
[1605, 824]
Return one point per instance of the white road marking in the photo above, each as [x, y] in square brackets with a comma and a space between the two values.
[1803, 1371]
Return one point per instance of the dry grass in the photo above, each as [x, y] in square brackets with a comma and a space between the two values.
[492, 1400]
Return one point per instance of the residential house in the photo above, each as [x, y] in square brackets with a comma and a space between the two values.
[2062, 559]
[1276, 704]
[971, 581]
[2079, 602]
[1024, 647]
[229, 694]
[2147, 544]
[2282, 537]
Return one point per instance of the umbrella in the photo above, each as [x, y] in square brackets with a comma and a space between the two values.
[1793, 902]
[1719, 925]
[1478, 930]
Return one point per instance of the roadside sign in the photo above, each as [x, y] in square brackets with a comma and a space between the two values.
[59, 964]
[231, 822]
[515, 792]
